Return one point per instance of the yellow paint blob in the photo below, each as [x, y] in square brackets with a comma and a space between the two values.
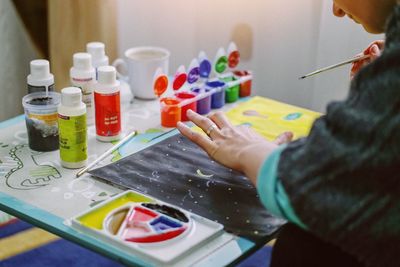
[94, 219]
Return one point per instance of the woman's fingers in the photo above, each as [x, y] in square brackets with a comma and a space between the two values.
[208, 126]
[204, 142]
[374, 50]
[220, 120]
[284, 138]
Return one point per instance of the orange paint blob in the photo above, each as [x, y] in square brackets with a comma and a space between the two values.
[160, 85]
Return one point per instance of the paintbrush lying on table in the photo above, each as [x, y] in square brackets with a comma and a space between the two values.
[355, 59]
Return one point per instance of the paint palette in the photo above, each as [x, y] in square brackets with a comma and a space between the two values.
[156, 231]
[147, 223]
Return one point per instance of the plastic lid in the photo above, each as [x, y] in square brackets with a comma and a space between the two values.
[97, 50]
[71, 97]
[40, 70]
[83, 61]
[107, 75]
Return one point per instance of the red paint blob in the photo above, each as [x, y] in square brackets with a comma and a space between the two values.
[179, 81]
[160, 85]
[142, 215]
[157, 238]
[233, 59]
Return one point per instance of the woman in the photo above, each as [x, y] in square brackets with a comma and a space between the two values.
[340, 186]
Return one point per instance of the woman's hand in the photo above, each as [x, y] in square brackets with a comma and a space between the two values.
[236, 147]
[374, 50]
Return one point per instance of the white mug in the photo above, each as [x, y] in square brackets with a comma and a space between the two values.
[141, 63]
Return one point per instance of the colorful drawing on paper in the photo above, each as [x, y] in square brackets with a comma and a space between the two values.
[270, 118]
[148, 226]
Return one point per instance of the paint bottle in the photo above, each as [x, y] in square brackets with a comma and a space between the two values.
[107, 105]
[99, 57]
[72, 129]
[83, 75]
[40, 79]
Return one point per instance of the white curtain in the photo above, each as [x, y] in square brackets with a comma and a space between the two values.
[16, 51]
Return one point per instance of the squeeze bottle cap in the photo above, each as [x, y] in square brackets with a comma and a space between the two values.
[83, 61]
[107, 75]
[71, 97]
[97, 50]
[40, 70]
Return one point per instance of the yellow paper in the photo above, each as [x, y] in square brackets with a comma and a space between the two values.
[270, 118]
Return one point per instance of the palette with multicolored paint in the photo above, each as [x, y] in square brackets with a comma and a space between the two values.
[140, 224]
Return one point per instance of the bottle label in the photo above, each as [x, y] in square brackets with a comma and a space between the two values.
[86, 87]
[108, 114]
[34, 89]
[73, 138]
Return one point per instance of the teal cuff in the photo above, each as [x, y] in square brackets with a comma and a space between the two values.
[271, 191]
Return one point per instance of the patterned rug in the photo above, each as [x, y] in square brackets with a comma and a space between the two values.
[23, 245]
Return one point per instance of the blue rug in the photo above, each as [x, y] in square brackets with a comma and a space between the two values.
[64, 253]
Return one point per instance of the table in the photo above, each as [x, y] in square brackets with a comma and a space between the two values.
[35, 188]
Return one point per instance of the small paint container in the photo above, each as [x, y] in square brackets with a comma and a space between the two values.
[231, 93]
[204, 103]
[218, 93]
[170, 111]
[41, 119]
[182, 96]
[245, 88]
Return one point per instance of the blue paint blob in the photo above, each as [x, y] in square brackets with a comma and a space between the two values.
[293, 116]
[163, 223]
[247, 124]
[205, 69]
[215, 84]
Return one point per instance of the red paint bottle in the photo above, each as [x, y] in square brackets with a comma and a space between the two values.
[107, 105]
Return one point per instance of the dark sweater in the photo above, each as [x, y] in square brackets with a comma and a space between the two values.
[343, 180]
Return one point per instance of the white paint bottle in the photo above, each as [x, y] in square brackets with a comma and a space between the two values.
[72, 129]
[107, 105]
[99, 57]
[40, 79]
[83, 76]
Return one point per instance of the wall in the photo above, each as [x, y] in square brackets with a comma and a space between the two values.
[279, 42]
[16, 52]
[272, 48]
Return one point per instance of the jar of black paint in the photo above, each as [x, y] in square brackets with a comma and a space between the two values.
[41, 119]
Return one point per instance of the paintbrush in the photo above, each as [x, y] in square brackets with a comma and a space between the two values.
[107, 153]
[355, 59]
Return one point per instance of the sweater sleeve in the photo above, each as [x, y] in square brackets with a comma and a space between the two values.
[343, 180]
[271, 192]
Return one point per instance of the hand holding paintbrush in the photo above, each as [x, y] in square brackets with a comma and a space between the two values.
[372, 52]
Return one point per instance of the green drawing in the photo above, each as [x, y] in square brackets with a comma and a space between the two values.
[27, 174]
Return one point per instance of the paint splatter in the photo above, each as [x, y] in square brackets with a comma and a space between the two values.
[293, 116]
[200, 173]
[254, 113]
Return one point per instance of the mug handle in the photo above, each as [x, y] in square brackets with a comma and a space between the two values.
[120, 64]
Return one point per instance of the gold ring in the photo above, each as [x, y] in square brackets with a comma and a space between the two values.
[211, 128]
